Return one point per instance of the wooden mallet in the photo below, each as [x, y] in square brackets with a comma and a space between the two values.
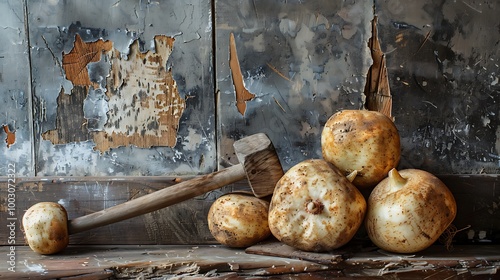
[47, 229]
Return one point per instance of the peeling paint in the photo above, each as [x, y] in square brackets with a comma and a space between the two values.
[193, 140]
[189, 64]
[16, 129]
[76, 61]
[377, 89]
[144, 103]
[302, 61]
[441, 61]
[11, 136]
[242, 94]
[135, 101]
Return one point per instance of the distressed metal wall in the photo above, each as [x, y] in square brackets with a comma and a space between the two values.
[443, 62]
[111, 96]
[300, 62]
[94, 104]
[16, 148]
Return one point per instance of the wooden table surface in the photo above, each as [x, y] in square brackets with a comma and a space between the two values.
[219, 262]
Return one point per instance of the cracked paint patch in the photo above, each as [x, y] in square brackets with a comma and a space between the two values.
[242, 94]
[143, 106]
[144, 103]
[11, 136]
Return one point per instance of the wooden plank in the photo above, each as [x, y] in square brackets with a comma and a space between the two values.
[279, 249]
[435, 261]
[464, 259]
[477, 198]
[148, 262]
[219, 262]
[182, 223]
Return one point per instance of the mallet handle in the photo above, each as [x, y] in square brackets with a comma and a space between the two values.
[158, 199]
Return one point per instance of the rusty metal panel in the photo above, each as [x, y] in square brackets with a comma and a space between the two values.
[122, 87]
[443, 64]
[283, 67]
[16, 152]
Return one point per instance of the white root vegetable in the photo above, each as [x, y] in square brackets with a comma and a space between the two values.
[239, 220]
[361, 140]
[315, 207]
[408, 211]
[45, 226]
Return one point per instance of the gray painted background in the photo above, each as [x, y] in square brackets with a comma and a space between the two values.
[15, 93]
[303, 60]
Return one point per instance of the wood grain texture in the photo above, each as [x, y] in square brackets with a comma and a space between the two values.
[477, 198]
[258, 157]
[70, 120]
[75, 62]
[218, 262]
[278, 249]
[152, 261]
[145, 105]
[157, 200]
[181, 223]
[377, 89]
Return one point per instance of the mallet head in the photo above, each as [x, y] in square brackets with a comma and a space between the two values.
[262, 166]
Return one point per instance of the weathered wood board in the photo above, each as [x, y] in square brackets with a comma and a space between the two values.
[182, 223]
[150, 261]
[477, 199]
[275, 248]
[218, 262]
[354, 260]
